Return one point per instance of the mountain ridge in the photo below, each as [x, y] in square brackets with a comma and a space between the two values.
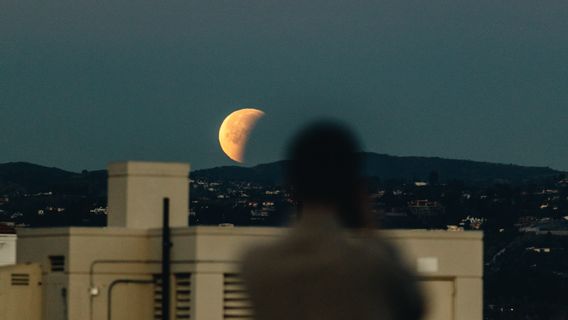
[387, 167]
[26, 177]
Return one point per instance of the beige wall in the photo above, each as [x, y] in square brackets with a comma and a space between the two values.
[37, 248]
[7, 249]
[20, 292]
[94, 258]
[136, 191]
[449, 264]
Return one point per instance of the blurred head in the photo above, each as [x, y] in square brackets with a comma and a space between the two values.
[325, 170]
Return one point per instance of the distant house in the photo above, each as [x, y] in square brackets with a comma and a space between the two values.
[525, 221]
[425, 208]
[555, 227]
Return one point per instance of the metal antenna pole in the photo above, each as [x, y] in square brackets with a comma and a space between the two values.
[166, 268]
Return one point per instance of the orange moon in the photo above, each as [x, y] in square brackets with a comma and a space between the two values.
[235, 131]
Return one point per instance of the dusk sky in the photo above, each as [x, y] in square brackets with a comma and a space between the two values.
[83, 82]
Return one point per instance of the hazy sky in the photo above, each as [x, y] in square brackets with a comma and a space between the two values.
[83, 82]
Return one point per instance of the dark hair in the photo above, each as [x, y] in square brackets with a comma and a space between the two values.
[325, 167]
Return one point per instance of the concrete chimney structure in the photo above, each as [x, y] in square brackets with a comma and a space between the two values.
[136, 191]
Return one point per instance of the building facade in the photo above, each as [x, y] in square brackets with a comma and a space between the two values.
[114, 272]
[7, 249]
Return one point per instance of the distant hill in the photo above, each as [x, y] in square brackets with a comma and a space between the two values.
[28, 178]
[387, 167]
[268, 173]
[392, 167]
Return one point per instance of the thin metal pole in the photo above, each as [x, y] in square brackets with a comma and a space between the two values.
[166, 269]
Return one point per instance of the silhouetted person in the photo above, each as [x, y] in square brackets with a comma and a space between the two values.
[330, 265]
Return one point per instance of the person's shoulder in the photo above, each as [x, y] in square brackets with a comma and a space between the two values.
[260, 257]
[375, 250]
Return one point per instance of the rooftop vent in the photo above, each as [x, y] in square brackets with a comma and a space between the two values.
[236, 302]
[57, 263]
[182, 296]
[157, 297]
[20, 279]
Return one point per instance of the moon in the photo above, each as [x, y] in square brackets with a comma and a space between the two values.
[235, 131]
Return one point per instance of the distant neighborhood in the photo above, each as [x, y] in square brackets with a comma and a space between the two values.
[525, 221]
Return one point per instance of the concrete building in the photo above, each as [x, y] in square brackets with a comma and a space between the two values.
[20, 292]
[114, 272]
[136, 190]
[7, 245]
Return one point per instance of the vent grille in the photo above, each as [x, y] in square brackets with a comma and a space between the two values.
[20, 279]
[183, 296]
[157, 297]
[181, 299]
[236, 303]
[57, 263]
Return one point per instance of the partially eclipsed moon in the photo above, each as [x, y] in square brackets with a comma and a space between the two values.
[235, 131]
